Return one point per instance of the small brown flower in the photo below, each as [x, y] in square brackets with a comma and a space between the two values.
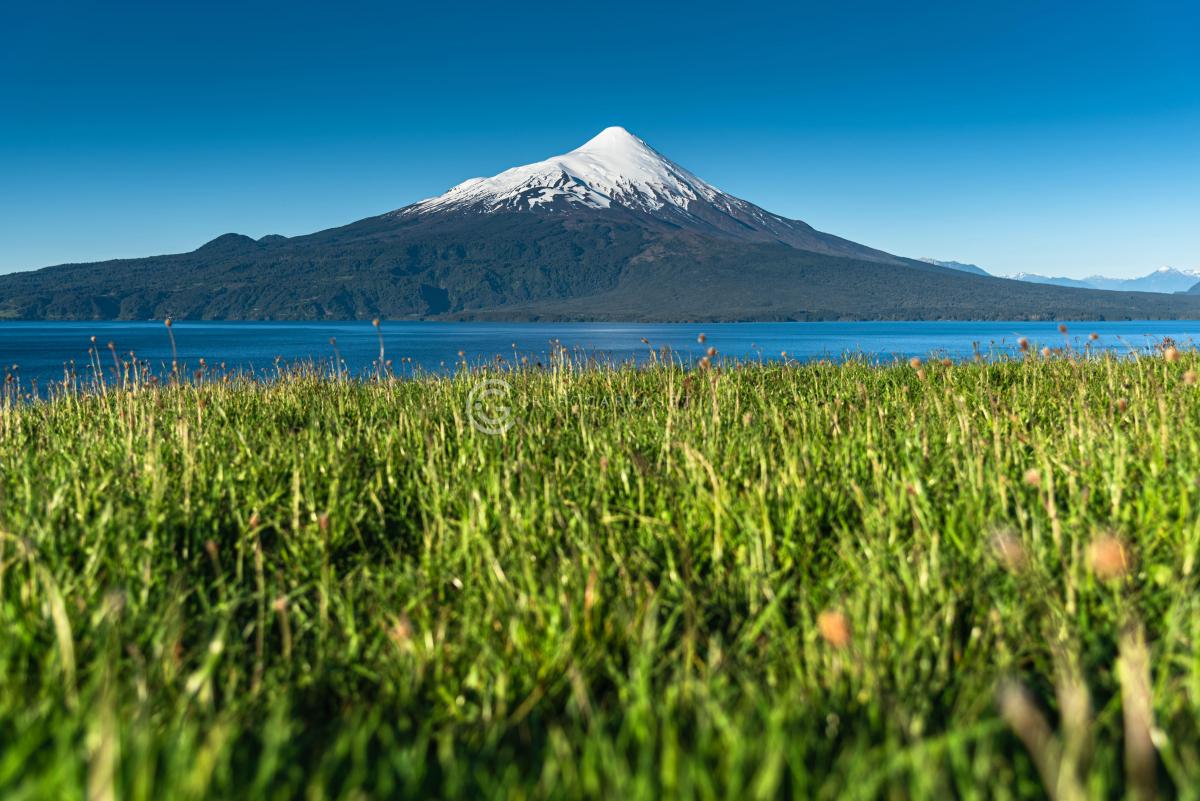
[1062, 329]
[914, 362]
[1171, 354]
[400, 632]
[701, 339]
[1023, 344]
[1033, 478]
[1109, 557]
[834, 628]
[947, 362]
[1122, 405]
[1045, 353]
[921, 374]
[1093, 336]
[1189, 377]
[711, 352]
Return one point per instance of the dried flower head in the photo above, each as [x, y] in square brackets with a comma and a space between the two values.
[590, 593]
[1033, 478]
[1023, 344]
[1009, 551]
[711, 352]
[1189, 377]
[400, 632]
[1109, 557]
[1062, 328]
[914, 362]
[701, 339]
[1045, 353]
[1171, 354]
[1122, 405]
[834, 628]
[1093, 336]
[920, 373]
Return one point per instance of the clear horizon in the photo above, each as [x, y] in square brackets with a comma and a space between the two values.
[1063, 144]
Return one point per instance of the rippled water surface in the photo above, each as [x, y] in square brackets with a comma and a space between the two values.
[44, 350]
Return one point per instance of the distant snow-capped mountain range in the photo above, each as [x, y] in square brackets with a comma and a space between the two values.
[1166, 280]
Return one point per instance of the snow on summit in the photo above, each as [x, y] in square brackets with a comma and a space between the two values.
[617, 171]
[614, 167]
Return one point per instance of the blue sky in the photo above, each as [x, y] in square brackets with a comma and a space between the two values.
[1047, 137]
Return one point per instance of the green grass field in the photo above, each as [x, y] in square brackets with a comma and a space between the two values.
[745, 582]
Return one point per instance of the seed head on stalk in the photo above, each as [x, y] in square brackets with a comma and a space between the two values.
[834, 628]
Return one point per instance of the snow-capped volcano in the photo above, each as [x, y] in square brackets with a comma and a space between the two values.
[612, 230]
[613, 167]
[616, 170]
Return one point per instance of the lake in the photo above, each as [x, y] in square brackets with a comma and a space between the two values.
[43, 350]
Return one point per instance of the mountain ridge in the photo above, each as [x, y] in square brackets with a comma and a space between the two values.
[1162, 280]
[1169, 280]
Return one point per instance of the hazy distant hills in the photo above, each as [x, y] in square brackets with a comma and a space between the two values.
[974, 269]
[1166, 279]
[610, 231]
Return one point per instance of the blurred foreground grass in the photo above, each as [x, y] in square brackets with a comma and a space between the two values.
[747, 581]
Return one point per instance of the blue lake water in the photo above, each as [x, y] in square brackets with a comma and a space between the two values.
[42, 351]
